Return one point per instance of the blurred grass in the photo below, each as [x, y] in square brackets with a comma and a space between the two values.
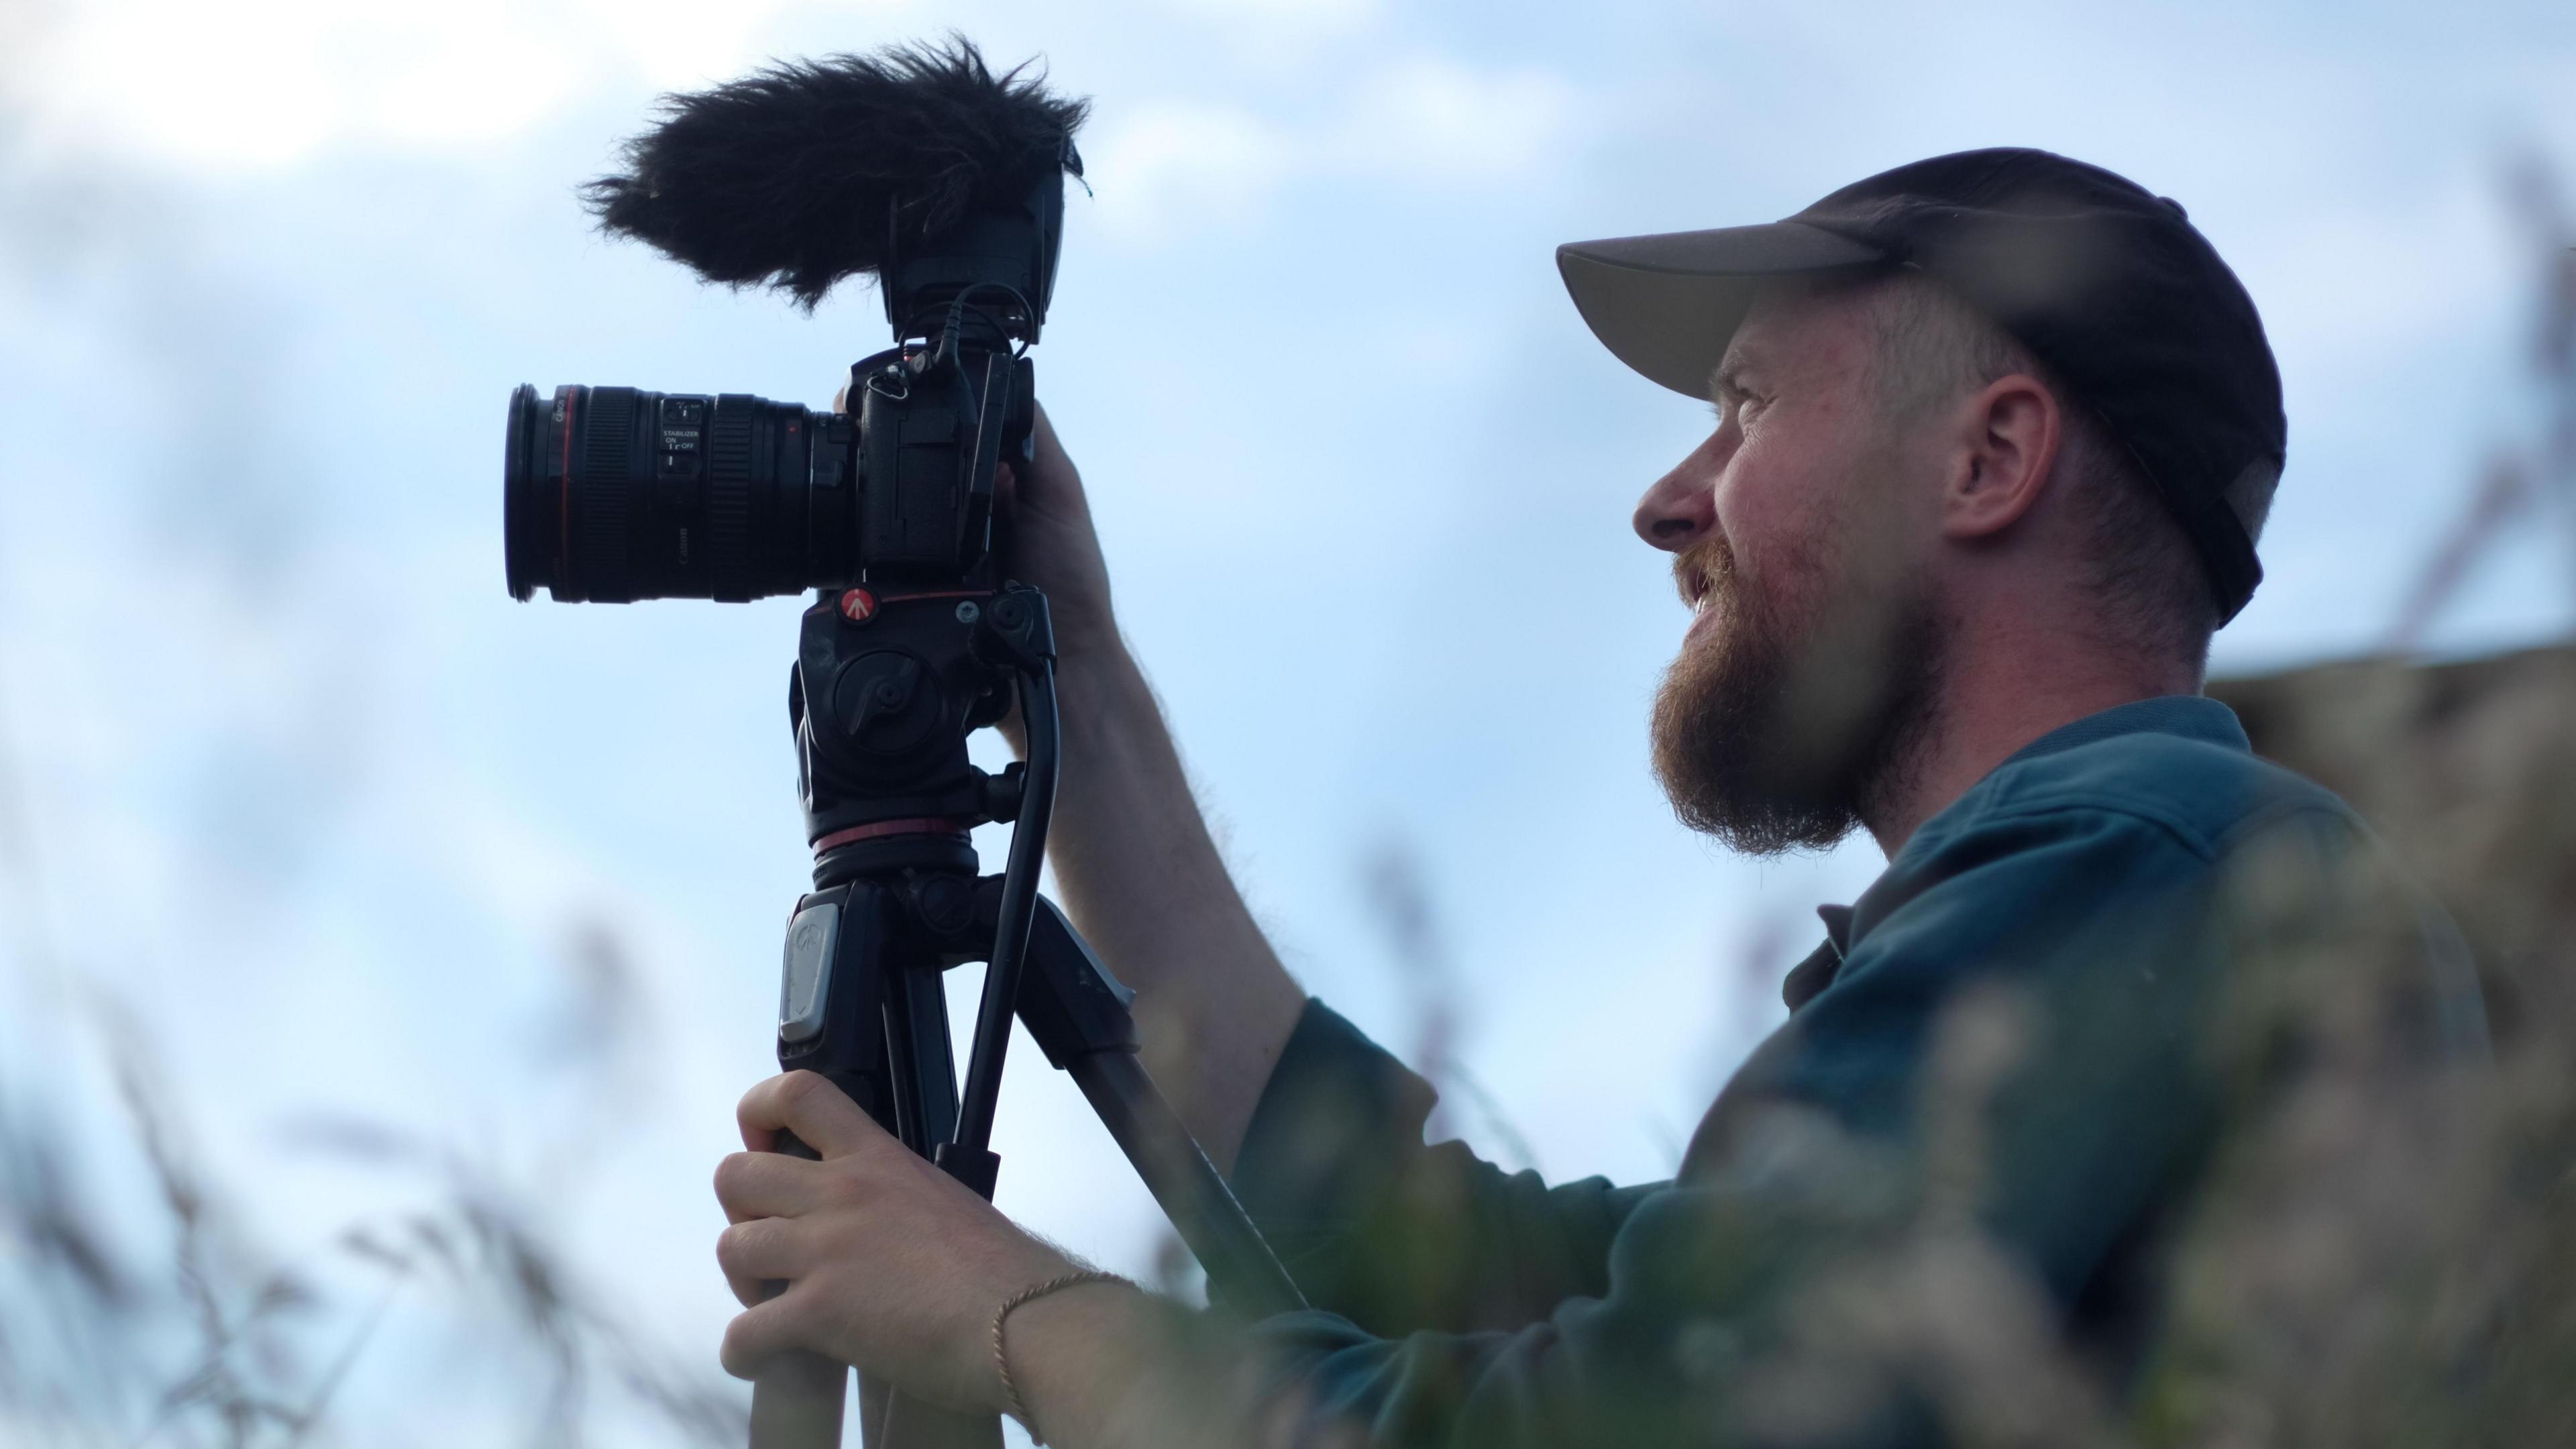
[173, 1322]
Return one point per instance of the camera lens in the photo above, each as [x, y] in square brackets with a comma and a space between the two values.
[611, 494]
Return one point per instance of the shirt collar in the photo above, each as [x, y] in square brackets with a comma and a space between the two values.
[1817, 972]
[2191, 716]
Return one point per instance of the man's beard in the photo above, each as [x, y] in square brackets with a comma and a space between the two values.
[1771, 737]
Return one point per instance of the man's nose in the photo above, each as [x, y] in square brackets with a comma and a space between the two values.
[1681, 508]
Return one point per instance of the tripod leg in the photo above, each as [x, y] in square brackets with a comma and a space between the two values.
[1241, 1269]
[879, 1031]
[796, 1399]
[1077, 1013]
[830, 1020]
[923, 1071]
[796, 1402]
[920, 1063]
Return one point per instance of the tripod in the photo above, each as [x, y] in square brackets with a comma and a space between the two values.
[884, 694]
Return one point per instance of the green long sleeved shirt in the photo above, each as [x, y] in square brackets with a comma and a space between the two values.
[2105, 897]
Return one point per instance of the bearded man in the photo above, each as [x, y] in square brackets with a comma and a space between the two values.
[1996, 435]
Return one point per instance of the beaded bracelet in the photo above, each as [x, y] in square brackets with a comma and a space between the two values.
[1002, 1361]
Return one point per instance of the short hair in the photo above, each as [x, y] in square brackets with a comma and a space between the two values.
[2150, 590]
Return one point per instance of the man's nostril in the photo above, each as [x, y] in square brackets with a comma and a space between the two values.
[1669, 527]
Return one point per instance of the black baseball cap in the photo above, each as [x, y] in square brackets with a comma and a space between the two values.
[2107, 283]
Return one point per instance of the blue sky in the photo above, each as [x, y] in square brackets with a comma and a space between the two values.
[301, 786]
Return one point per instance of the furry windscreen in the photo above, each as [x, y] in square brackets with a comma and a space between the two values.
[795, 175]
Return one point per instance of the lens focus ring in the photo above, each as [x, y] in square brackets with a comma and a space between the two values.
[729, 449]
[600, 495]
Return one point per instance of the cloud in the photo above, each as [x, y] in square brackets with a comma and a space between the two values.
[1284, 29]
[266, 83]
[1434, 119]
[1420, 121]
[2359, 291]
[1172, 159]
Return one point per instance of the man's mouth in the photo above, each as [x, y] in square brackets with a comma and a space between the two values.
[1704, 612]
[1703, 577]
[1707, 602]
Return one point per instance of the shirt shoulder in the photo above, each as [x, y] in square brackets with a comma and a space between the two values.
[2207, 797]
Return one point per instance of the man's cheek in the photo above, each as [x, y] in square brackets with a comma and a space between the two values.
[1760, 566]
[1760, 510]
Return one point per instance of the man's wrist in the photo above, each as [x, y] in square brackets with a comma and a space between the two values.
[1082, 640]
[1103, 696]
[1075, 1356]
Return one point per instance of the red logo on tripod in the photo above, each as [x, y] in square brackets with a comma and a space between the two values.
[858, 606]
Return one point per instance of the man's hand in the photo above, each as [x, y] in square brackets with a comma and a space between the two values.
[1049, 542]
[890, 1264]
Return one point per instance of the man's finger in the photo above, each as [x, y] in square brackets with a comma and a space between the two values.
[763, 1331]
[763, 1249]
[1047, 450]
[1042, 432]
[752, 1292]
[821, 1115]
[766, 1185]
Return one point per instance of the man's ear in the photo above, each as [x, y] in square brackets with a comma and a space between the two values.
[2007, 449]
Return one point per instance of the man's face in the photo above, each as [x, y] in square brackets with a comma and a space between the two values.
[1798, 528]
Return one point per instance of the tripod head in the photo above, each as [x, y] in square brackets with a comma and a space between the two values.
[885, 690]
[883, 695]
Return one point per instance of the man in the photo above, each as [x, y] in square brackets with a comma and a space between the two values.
[1996, 434]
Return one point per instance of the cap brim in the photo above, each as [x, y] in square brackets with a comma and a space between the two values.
[1668, 304]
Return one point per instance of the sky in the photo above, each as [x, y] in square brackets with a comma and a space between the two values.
[337, 827]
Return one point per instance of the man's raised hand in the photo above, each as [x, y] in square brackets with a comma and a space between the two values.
[1048, 540]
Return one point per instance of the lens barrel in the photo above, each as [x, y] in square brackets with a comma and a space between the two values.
[612, 494]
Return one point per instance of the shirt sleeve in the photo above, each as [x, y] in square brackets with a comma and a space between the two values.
[1393, 1234]
[2087, 945]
